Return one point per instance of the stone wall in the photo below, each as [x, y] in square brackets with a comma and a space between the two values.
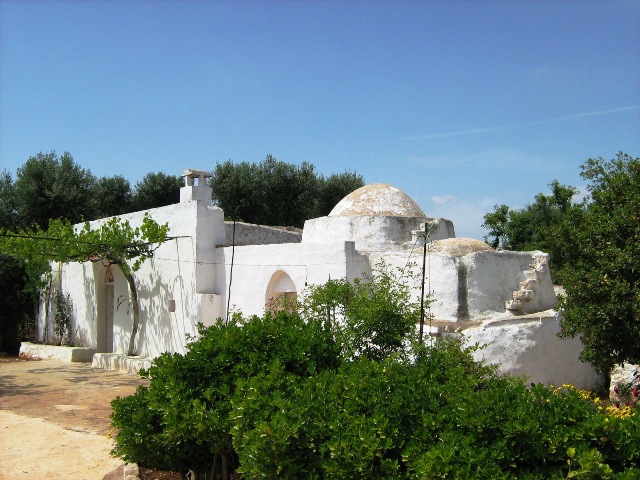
[251, 234]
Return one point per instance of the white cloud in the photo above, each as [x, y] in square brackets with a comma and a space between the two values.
[583, 193]
[442, 199]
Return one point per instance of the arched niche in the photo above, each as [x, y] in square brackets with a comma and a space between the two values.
[281, 292]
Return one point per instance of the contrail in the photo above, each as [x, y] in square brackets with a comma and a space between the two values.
[589, 114]
[474, 131]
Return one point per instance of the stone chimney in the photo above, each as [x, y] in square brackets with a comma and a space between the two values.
[196, 186]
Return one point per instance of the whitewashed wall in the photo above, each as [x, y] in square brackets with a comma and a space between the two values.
[182, 270]
[530, 346]
[491, 279]
[305, 263]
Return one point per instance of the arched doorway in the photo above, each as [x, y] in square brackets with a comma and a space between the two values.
[281, 292]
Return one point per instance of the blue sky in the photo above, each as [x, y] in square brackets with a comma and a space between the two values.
[462, 105]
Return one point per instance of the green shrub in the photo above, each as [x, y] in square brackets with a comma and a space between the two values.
[189, 396]
[139, 434]
[299, 396]
[373, 317]
[439, 415]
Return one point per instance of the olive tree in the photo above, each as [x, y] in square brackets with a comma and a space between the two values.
[49, 186]
[274, 192]
[156, 189]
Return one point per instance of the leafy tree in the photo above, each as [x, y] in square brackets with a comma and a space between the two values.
[288, 191]
[236, 189]
[156, 189]
[534, 227]
[49, 187]
[114, 242]
[271, 192]
[8, 213]
[497, 222]
[274, 192]
[112, 196]
[602, 280]
[16, 303]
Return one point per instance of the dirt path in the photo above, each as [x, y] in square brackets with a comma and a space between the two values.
[54, 419]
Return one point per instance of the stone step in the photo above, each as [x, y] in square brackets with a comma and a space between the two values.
[523, 295]
[513, 305]
[531, 274]
[529, 284]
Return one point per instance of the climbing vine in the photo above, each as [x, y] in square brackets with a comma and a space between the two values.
[62, 317]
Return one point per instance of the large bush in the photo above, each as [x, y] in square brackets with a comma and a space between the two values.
[372, 316]
[186, 423]
[294, 395]
[440, 415]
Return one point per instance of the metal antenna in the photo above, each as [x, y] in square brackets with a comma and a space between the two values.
[424, 261]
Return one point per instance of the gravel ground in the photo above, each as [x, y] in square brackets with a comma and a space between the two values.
[54, 419]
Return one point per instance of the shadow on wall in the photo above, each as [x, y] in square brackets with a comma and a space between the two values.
[167, 313]
[86, 331]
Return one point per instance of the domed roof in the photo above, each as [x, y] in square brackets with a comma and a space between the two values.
[377, 199]
[459, 247]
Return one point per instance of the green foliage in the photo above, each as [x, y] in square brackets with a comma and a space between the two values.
[441, 415]
[8, 212]
[113, 196]
[62, 317]
[304, 395]
[354, 422]
[603, 279]
[17, 306]
[374, 316]
[190, 395]
[534, 227]
[274, 192]
[156, 189]
[51, 187]
[114, 242]
[138, 433]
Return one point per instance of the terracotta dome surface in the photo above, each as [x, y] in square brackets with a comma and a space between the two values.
[377, 199]
[459, 247]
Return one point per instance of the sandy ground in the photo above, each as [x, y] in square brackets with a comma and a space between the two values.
[54, 419]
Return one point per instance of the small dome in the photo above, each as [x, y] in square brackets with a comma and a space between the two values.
[459, 247]
[377, 199]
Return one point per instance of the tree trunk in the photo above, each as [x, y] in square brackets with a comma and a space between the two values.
[225, 466]
[133, 290]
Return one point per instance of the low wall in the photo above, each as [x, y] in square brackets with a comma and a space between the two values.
[529, 345]
[120, 363]
[37, 351]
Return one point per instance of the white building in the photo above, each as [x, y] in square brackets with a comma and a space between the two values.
[210, 266]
